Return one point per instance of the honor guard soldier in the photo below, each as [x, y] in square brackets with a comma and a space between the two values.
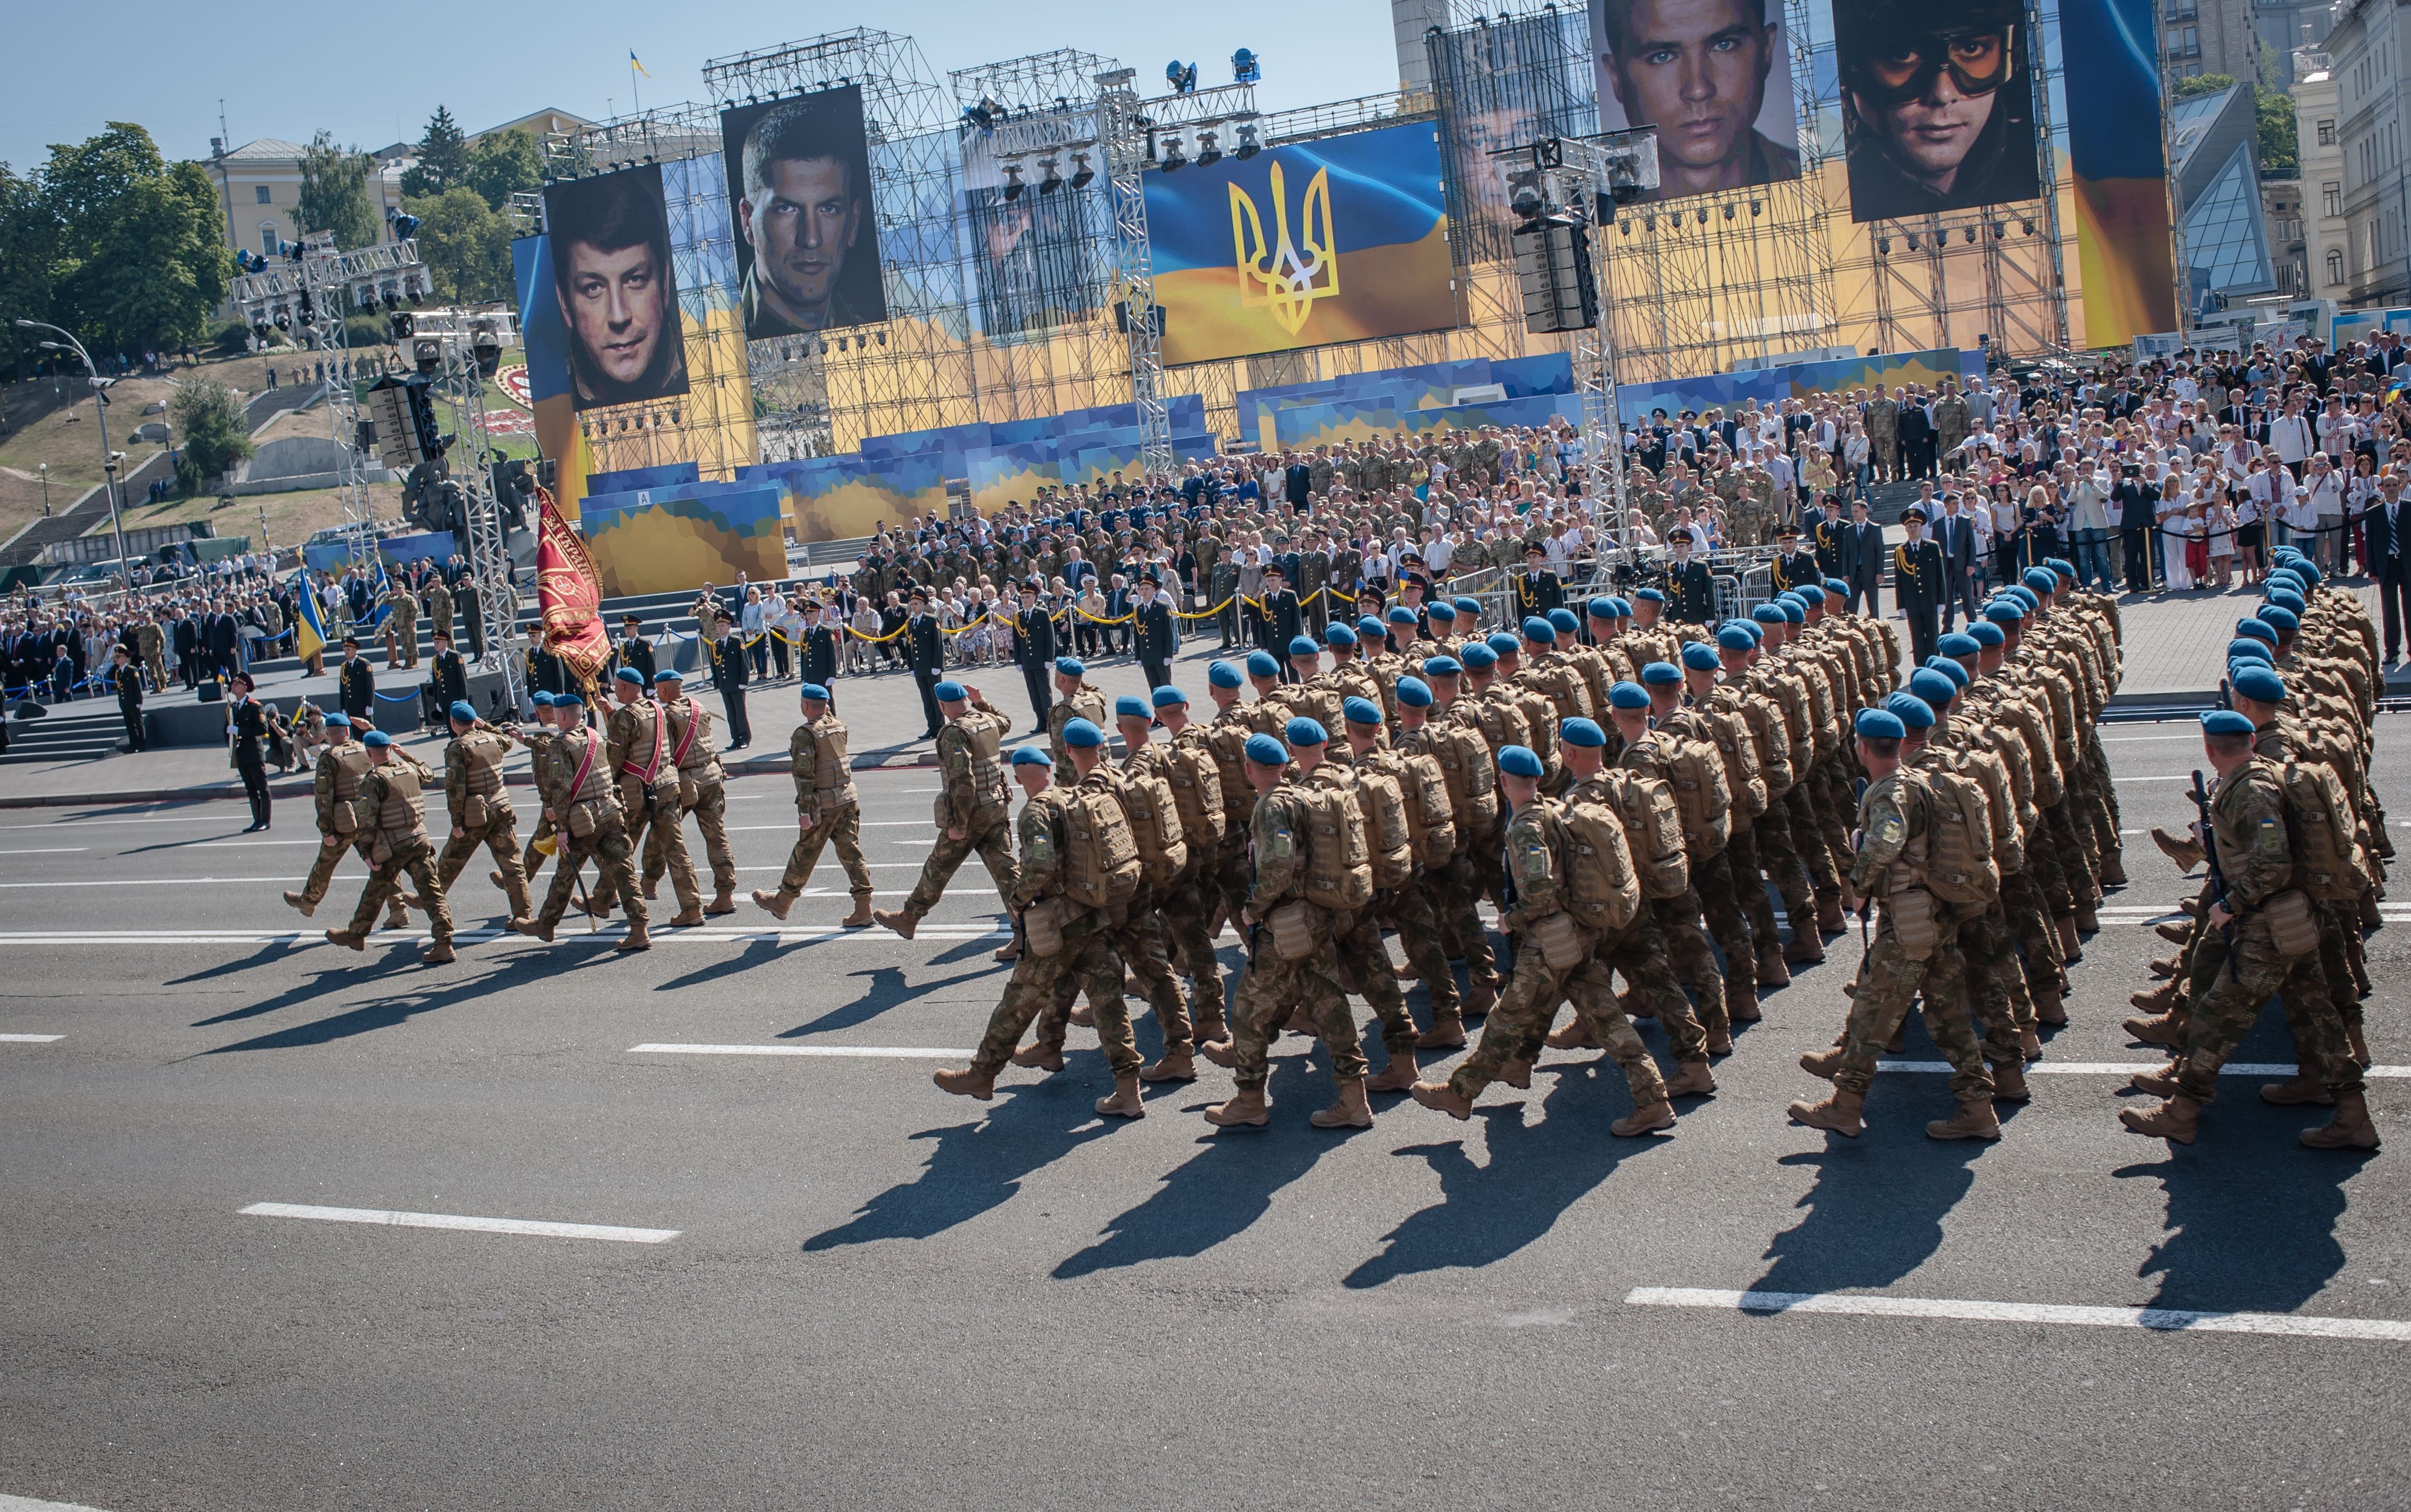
[635, 650]
[1918, 583]
[582, 802]
[394, 807]
[481, 812]
[827, 811]
[337, 793]
[1690, 589]
[702, 793]
[637, 735]
[1792, 565]
[973, 808]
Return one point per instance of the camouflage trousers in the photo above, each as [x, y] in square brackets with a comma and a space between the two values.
[1750, 876]
[2051, 865]
[1231, 873]
[1639, 955]
[1487, 854]
[2075, 860]
[1889, 979]
[1086, 962]
[2104, 793]
[840, 827]
[1364, 966]
[1835, 799]
[2226, 1007]
[499, 835]
[1808, 842]
[1514, 1028]
[614, 860]
[654, 827]
[2342, 960]
[1996, 989]
[1690, 961]
[1270, 990]
[1454, 890]
[1409, 910]
[1189, 907]
[991, 837]
[417, 861]
[1135, 933]
[2040, 951]
[1721, 904]
[711, 813]
[322, 874]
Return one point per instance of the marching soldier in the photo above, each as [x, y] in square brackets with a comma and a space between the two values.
[637, 735]
[1471, 780]
[1406, 907]
[395, 808]
[337, 794]
[1076, 698]
[971, 810]
[826, 810]
[481, 811]
[1193, 764]
[702, 793]
[582, 802]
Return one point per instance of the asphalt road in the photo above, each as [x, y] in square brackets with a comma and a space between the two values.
[876, 1295]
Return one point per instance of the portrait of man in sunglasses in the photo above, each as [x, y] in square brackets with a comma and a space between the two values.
[1937, 105]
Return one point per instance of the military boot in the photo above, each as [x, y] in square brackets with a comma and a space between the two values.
[1692, 1079]
[1516, 1074]
[903, 922]
[2350, 1129]
[685, 919]
[2303, 1087]
[724, 901]
[2164, 966]
[2030, 1044]
[301, 904]
[1829, 913]
[2182, 849]
[1822, 1063]
[1806, 947]
[1125, 1101]
[2173, 1120]
[1009, 950]
[397, 917]
[2114, 868]
[1180, 1067]
[966, 1083]
[1398, 1076]
[861, 918]
[2070, 951]
[1446, 1033]
[2160, 1081]
[1839, 1114]
[1221, 1053]
[1647, 1118]
[637, 938]
[1741, 1003]
[1481, 996]
[2088, 919]
[347, 939]
[2174, 933]
[2009, 1082]
[2369, 917]
[1083, 1016]
[1574, 1036]
[775, 904]
[534, 929]
[1211, 1024]
[1442, 1098]
[2190, 908]
[2159, 1000]
[1349, 1110]
[1772, 972]
[2164, 1030]
[1973, 1120]
[438, 952]
[1045, 1058]
[1248, 1107]
[1720, 1041]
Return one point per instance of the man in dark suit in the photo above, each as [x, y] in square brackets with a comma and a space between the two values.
[1297, 483]
[355, 684]
[1919, 582]
[1691, 591]
[188, 648]
[728, 673]
[1954, 535]
[218, 633]
[925, 654]
[2389, 557]
[1155, 637]
[1034, 653]
[1860, 548]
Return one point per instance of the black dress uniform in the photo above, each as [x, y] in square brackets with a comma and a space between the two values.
[1156, 641]
[1918, 584]
[638, 652]
[355, 689]
[925, 653]
[129, 703]
[818, 658]
[1033, 651]
[1690, 592]
[449, 675]
[1795, 568]
[729, 676]
[1538, 591]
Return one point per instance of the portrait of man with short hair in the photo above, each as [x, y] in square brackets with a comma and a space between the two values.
[618, 287]
[800, 191]
[1713, 77]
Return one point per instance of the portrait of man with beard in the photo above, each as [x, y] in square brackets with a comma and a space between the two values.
[1937, 105]
[618, 287]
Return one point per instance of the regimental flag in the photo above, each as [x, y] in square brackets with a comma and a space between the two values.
[638, 67]
[310, 634]
[380, 605]
[569, 593]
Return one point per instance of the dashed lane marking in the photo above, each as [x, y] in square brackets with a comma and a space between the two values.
[2127, 1068]
[452, 1220]
[2152, 1319]
[569, 933]
[30, 1039]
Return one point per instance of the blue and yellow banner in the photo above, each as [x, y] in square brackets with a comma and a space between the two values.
[1334, 240]
[2125, 248]
[672, 540]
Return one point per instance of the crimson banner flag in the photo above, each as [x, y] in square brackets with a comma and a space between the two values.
[569, 593]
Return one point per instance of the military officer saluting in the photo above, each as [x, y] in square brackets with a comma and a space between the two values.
[827, 811]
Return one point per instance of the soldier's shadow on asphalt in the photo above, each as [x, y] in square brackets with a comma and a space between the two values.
[421, 993]
[889, 989]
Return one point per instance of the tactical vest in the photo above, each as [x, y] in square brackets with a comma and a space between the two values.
[482, 763]
[1958, 839]
[832, 773]
[1389, 832]
[983, 743]
[690, 729]
[574, 746]
[404, 809]
[1154, 817]
[1191, 767]
[351, 762]
[2328, 862]
[1466, 766]
[1226, 740]
[1339, 857]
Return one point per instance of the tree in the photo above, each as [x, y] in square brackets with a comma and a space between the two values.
[335, 193]
[464, 245]
[443, 158]
[28, 244]
[212, 431]
[2281, 149]
[505, 163]
[2185, 89]
[140, 259]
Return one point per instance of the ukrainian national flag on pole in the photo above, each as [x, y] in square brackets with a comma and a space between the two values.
[379, 605]
[310, 634]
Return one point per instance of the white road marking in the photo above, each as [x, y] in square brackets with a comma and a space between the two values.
[2162, 776]
[26, 1504]
[2140, 740]
[53, 851]
[2156, 1319]
[451, 1220]
[846, 1052]
[570, 932]
[30, 1039]
[2125, 1067]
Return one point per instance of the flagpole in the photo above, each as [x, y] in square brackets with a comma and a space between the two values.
[633, 95]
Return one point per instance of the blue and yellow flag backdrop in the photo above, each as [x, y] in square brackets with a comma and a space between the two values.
[2124, 242]
[1331, 240]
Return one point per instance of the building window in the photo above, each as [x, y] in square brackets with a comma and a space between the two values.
[2331, 199]
[261, 193]
[267, 238]
[2327, 134]
[2335, 265]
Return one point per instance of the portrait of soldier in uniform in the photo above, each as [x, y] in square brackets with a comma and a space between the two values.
[1937, 105]
[800, 187]
[1713, 76]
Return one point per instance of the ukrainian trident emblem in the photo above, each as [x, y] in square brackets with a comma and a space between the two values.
[1275, 275]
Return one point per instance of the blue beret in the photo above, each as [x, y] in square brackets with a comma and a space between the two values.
[1132, 706]
[1265, 752]
[1466, 605]
[1339, 633]
[1361, 711]
[376, 740]
[1304, 731]
[1932, 687]
[1538, 631]
[342, 720]
[1305, 645]
[1880, 724]
[669, 674]
[1413, 692]
[1071, 666]
[1623, 607]
[1441, 609]
[1600, 608]
[814, 691]
[1649, 595]
[2287, 600]
[1661, 673]
[2309, 573]
[1942, 666]
[1518, 761]
[1030, 756]
[2279, 615]
[2061, 565]
[1958, 643]
[1504, 644]
[1223, 675]
[1985, 633]
[1584, 733]
[2261, 683]
[1913, 712]
[2289, 577]
[1400, 615]
[1627, 695]
[1080, 735]
[1261, 665]
[1167, 695]
[1795, 611]
[1701, 657]
[2226, 723]
[2041, 579]
[572, 699]
[950, 691]
[2258, 630]
[1810, 593]
[1563, 619]
[2024, 595]
[1731, 637]
[1441, 667]
[1769, 613]
[1371, 627]
[1838, 588]
[1476, 656]
[463, 710]
[2240, 649]
[630, 675]
[2005, 612]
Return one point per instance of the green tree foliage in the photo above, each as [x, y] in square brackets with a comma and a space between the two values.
[2185, 89]
[443, 158]
[28, 244]
[210, 430]
[503, 164]
[139, 256]
[335, 193]
[2280, 147]
[464, 245]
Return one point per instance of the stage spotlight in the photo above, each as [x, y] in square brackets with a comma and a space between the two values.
[1649, 223]
[1209, 151]
[1245, 69]
[1971, 235]
[1013, 180]
[1756, 205]
[1054, 179]
[1082, 174]
[1704, 214]
[2000, 229]
[1912, 241]
[882, 338]
[2027, 226]
[1623, 226]
[1181, 76]
[1172, 157]
[1249, 146]
[1883, 246]
[1729, 212]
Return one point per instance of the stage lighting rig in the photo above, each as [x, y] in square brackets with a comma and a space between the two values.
[1013, 186]
[1083, 174]
[1181, 76]
[1053, 179]
[1209, 151]
[1172, 157]
[1248, 143]
[1245, 69]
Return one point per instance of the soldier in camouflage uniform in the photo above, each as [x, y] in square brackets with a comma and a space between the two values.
[573, 780]
[827, 811]
[702, 793]
[1883, 435]
[337, 791]
[394, 806]
[1681, 922]
[971, 810]
[1076, 698]
[481, 813]
[638, 740]
[1468, 767]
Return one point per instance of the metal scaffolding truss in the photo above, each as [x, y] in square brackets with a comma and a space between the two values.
[460, 384]
[1122, 131]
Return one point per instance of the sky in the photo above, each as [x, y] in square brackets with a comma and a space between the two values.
[372, 74]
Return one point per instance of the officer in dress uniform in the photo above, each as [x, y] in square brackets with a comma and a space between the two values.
[1918, 583]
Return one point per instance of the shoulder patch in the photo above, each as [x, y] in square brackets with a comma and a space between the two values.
[1891, 829]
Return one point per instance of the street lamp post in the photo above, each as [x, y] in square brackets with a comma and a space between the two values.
[100, 409]
[45, 468]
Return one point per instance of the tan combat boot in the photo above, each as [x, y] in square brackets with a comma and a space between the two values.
[2158, 1000]
[1574, 1036]
[2182, 849]
[1083, 1016]
[1516, 1074]
[1221, 1052]
[1481, 996]
[638, 938]
[1839, 1114]
[438, 952]
[1720, 1041]
[2173, 1120]
[903, 923]
[2190, 908]
[1647, 1118]
[1442, 1098]
[1828, 914]
[2160, 1081]
[1181, 1067]
[1125, 1101]
[2163, 967]
[347, 939]
[2009, 1082]
[1973, 1120]
[1009, 950]
[966, 1083]
[1446, 1033]
[2030, 1044]
[774, 904]
[686, 919]
[1692, 1079]
[301, 904]
[2304, 1088]
[2114, 868]
[1822, 1063]
[860, 917]
[1349, 1109]
[1211, 1026]
[1772, 972]
[2173, 932]
[397, 917]
[533, 929]
[2349, 1130]
[2070, 951]
[2163, 1030]
[2088, 919]
[723, 901]
[1248, 1107]
[1398, 1076]
[1741, 1003]
[1040, 1057]
[1806, 948]
[2051, 1008]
